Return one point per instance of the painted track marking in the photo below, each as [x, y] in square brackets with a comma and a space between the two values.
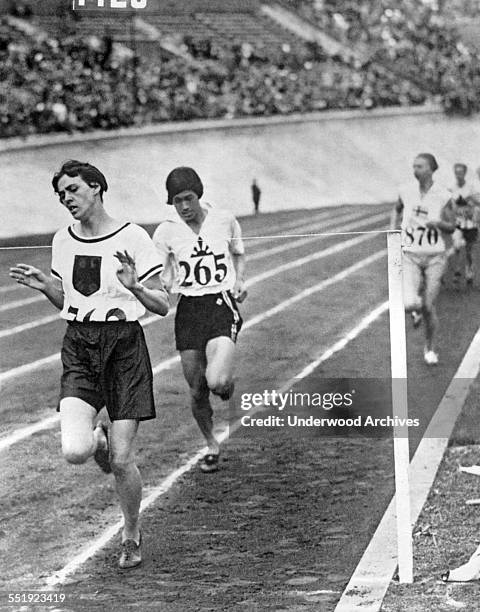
[370, 580]
[28, 326]
[8, 288]
[20, 303]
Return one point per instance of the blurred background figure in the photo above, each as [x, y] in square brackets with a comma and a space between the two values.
[467, 217]
[256, 193]
[461, 189]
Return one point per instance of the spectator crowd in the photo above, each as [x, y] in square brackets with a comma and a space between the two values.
[407, 54]
[415, 39]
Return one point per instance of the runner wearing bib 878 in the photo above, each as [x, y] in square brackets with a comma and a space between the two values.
[424, 213]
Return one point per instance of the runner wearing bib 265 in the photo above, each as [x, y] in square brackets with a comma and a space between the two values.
[203, 257]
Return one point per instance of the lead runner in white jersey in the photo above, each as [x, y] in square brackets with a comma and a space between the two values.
[203, 257]
[104, 355]
[424, 214]
[92, 290]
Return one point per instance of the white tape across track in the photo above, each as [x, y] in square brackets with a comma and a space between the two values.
[361, 221]
[25, 432]
[337, 248]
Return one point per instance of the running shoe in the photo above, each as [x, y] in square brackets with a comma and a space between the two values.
[469, 275]
[209, 463]
[131, 555]
[430, 357]
[242, 296]
[467, 572]
[228, 393]
[417, 318]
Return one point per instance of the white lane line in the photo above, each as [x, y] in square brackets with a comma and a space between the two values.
[168, 363]
[337, 248]
[26, 432]
[31, 325]
[307, 240]
[60, 576]
[305, 223]
[342, 343]
[316, 288]
[29, 367]
[279, 249]
[333, 250]
[370, 580]
[20, 303]
[10, 288]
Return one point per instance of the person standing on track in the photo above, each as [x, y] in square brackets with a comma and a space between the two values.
[203, 249]
[424, 213]
[256, 193]
[104, 275]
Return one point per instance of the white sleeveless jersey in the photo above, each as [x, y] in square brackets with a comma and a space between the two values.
[466, 215]
[87, 268]
[417, 211]
[199, 264]
[466, 191]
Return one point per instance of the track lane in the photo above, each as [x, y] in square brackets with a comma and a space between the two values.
[91, 496]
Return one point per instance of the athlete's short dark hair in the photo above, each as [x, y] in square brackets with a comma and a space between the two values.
[183, 179]
[430, 159]
[90, 174]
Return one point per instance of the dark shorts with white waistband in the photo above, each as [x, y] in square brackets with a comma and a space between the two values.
[108, 364]
[470, 234]
[204, 317]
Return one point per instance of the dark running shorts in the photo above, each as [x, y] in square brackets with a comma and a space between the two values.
[107, 364]
[201, 318]
[470, 234]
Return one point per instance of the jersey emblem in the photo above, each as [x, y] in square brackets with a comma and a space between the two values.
[199, 250]
[86, 274]
[420, 211]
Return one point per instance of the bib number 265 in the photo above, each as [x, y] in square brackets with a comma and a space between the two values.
[202, 272]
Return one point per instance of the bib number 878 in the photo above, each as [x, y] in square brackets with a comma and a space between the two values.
[421, 236]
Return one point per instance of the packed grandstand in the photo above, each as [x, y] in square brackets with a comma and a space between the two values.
[64, 70]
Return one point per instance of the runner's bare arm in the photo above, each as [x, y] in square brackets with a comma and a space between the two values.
[397, 213]
[476, 214]
[239, 266]
[447, 221]
[150, 293]
[36, 279]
